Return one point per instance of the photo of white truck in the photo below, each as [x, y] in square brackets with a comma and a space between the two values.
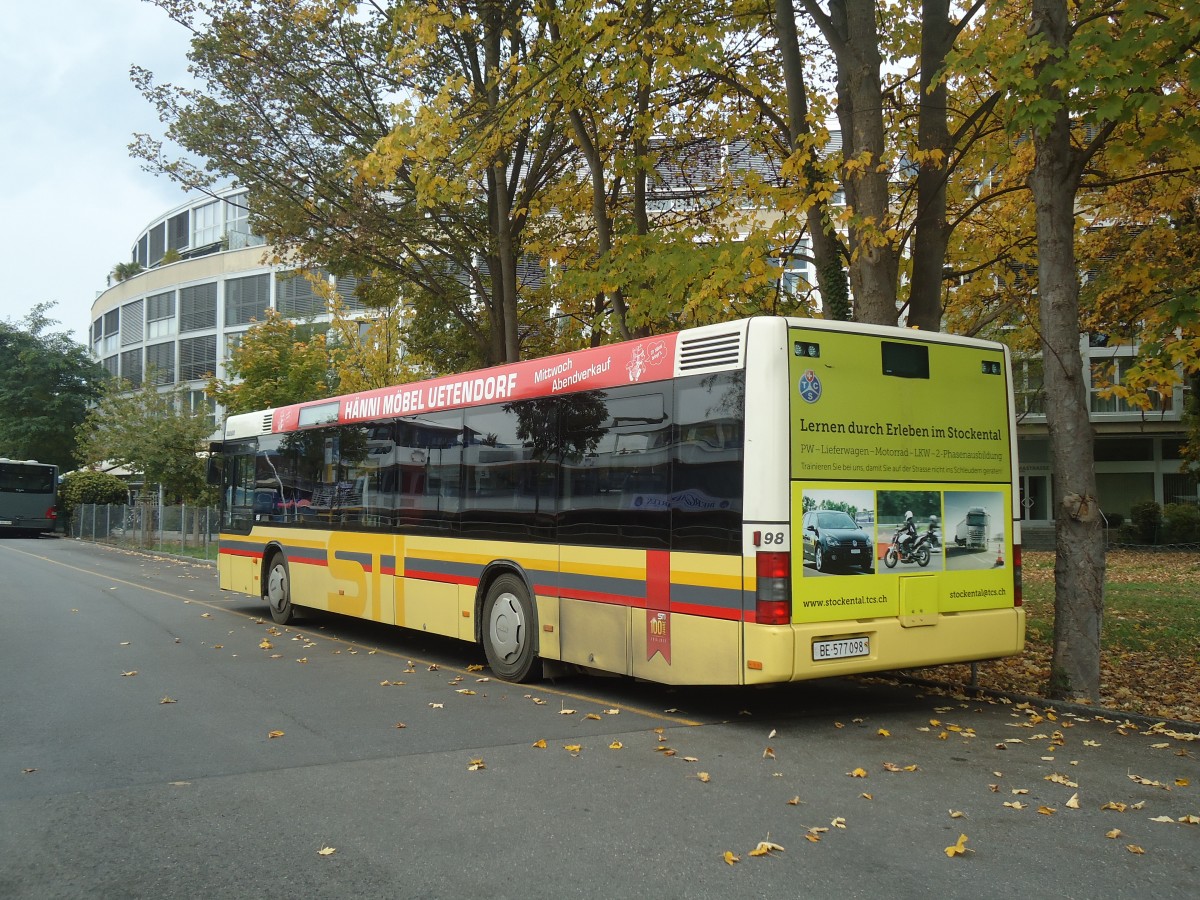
[972, 531]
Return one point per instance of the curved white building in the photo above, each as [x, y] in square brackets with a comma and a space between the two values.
[205, 280]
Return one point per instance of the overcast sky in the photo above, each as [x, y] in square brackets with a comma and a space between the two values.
[72, 199]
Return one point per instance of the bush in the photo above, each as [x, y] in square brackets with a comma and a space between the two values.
[1146, 521]
[1181, 524]
[87, 486]
[1116, 520]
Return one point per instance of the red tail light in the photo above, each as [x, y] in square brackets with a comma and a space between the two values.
[773, 597]
[1018, 599]
[52, 513]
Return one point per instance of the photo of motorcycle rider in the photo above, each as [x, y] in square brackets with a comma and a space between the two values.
[910, 532]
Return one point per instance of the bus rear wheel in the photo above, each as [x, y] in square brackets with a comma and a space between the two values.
[278, 593]
[509, 627]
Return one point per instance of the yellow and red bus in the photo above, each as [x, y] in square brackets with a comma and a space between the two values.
[712, 506]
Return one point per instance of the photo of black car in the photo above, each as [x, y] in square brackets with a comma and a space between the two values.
[832, 540]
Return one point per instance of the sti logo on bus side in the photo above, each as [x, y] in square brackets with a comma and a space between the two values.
[810, 386]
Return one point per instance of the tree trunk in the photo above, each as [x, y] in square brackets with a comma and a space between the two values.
[933, 133]
[874, 257]
[826, 248]
[1079, 544]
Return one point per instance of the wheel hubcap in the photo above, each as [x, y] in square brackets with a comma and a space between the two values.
[506, 626]
[277, 587]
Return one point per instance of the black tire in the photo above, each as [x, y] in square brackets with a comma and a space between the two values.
[819, 559]
[509, 629]
[891, 557]
[922, 556]
[277, 590]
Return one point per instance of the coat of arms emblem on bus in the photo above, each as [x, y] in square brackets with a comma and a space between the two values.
[643, 357]
[810, 386]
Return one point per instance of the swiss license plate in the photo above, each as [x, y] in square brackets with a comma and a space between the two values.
[855, 550]
[5, 521]
[841, 649]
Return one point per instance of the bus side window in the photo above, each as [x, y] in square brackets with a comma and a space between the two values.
[707, 463]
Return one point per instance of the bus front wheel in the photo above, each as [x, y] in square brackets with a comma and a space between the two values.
[278, 593]
[508, 629]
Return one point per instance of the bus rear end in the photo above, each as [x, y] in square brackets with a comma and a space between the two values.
[893, 438]
[27, 496]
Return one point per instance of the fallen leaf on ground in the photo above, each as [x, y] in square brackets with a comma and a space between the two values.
[764, 848]
[327, 851]
[959, 847]
[730, 858]
[274, 734]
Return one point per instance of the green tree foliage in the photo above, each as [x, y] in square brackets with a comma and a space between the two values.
[277, 362]
[46, 383]
[90, 486]
[151, 434]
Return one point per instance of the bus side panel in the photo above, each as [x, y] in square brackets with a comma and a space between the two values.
[427, 598]
[239, 572]
[695, 638]
[601, 590]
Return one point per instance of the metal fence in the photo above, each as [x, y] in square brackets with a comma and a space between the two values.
[183, 530]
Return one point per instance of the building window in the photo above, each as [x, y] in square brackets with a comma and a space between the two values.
[232, 342]
[247, 299]
[200, 404]
[112, 365]
[131, 367]
[1028, 386]
[197, 358]
[198, 307]
[1114, 371]
[97, 334]
[141, 254]
[206, 224]
[158, 242]
[112, 332]
[132, 323]
[160, 363]
[237, 221]
[795, 279]
[348, 289]
[160, 315]
[295, 298]
[177, 232]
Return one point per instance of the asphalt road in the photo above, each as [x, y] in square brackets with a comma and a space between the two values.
[109, 791]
